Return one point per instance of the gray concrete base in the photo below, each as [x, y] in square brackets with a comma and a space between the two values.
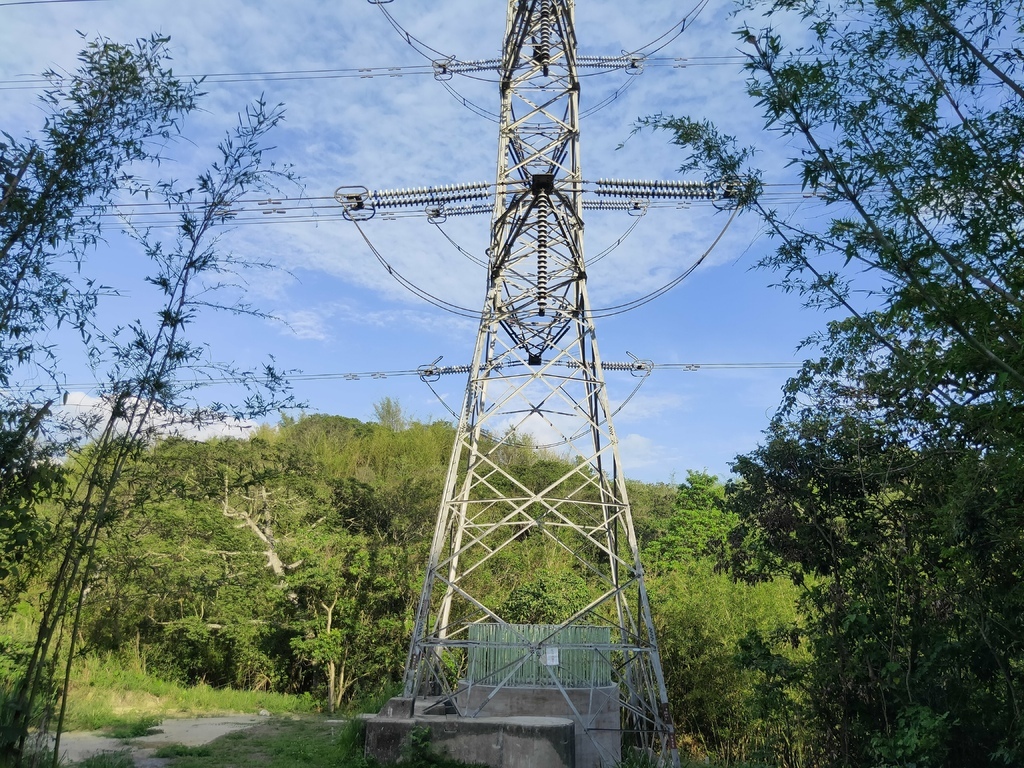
[498, 742]
[598, 727]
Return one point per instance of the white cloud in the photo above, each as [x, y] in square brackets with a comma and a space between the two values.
[344, 311]
[306, 324]
[640, 453]
[88, 413]
[641, 407]
[323, 322]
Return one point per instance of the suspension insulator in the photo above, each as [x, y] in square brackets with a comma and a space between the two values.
[543, 210]
[542, 47]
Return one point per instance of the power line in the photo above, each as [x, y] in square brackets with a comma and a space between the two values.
[436, 370]
[322, 208]
[46, 2]
[36, 82]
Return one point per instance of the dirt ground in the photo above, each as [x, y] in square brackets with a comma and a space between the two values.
[77, 746]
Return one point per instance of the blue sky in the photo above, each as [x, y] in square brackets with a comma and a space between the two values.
[340, 311]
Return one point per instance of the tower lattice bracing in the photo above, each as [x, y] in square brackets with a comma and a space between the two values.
[536, 370]
[536, 379]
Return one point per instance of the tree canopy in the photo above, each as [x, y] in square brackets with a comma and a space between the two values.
[105, 120]
[889, 482]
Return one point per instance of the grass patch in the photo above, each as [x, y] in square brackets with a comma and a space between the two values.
[104, 692]
[300, 743]
[183, 750]
[108, 760]
[374, 701]
[133, 728]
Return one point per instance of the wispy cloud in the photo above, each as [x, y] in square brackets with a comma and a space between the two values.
[641, 407]
[342, 309]
[89, 413]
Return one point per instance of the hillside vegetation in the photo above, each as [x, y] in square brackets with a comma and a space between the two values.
[288, 562]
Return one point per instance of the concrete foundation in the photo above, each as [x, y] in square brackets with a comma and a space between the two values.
[598, 735]
[498, 742]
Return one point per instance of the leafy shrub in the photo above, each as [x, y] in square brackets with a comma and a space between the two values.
[108, 760]
[134, 728]
[182, 750]
[702, 618]
[548, 598]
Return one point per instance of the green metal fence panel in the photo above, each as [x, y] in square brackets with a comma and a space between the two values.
[534, 655]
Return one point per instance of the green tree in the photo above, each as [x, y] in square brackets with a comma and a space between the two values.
[263, 563]
[181, 579]
[703, 619]
[356, 601]
[892, 473]
[696, 526]
[104, 117]
[143, 360]
[388, 413]
[28, 478]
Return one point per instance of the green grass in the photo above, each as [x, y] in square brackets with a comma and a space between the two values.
[108, 760]
[183, 750]
[106, 693]
[307, 742]
[134, 727]
[302, 743]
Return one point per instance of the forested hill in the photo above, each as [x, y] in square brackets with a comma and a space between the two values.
[291, 560]
[264, 562]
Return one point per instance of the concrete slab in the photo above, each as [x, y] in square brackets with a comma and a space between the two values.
[597, 715]
[497, 742]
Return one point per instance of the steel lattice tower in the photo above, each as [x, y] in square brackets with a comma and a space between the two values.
[536, 369]
[536, 361]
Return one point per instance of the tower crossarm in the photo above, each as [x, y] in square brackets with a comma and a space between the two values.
[440, 201]
[631, 63]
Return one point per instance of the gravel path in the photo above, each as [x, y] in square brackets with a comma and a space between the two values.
[78, 745]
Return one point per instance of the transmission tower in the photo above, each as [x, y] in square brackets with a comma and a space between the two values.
[536, 370]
